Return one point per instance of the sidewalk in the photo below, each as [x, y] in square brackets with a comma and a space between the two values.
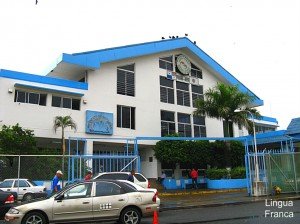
[185, 199]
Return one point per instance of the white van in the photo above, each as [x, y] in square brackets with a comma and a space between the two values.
[139, 179]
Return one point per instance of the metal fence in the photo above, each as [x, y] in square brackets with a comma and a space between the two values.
[44, 167]
[266, 170]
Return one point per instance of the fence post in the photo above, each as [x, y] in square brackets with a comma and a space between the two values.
[19, 168]
[295, 172]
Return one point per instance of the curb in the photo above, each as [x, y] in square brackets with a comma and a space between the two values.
[225, 203]
[202, 192]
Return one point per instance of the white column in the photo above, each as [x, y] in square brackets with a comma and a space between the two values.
[88, 151]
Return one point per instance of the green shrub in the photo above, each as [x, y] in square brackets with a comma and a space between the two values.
[238, 173]
[215, 174]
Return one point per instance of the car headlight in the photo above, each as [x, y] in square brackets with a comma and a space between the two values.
[13, 211]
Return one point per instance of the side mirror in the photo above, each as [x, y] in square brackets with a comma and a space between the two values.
[59, 197]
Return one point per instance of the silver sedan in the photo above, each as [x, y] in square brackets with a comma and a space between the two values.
[93, 201]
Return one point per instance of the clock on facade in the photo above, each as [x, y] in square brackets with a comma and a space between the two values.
[183, 64]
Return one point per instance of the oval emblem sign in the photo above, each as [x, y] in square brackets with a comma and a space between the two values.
[183, 64]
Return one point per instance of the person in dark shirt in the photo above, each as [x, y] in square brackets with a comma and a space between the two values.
[131, 176]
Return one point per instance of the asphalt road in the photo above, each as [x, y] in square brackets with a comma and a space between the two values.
[251, 213]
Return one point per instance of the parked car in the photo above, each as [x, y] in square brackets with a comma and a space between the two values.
[26, 189]
[6, 202]
[90, 201]
[139, 179]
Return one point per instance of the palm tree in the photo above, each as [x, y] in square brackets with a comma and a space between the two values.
[222, 102]
[63, 122]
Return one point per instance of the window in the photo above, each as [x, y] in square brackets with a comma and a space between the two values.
[32, 98]
[199, 126]
[22, 183]
[106, 189]
[125, 80]
[6, 184]
[79, 191]
[113, 176]
[125, 117]
[167, 123]
[139, 177]
[197, 93]
[166, 63]
[65, 102]
[166, 90]
[183, 95]
[184, 125]
[196, 72]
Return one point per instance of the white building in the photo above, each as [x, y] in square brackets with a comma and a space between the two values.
[137, 90]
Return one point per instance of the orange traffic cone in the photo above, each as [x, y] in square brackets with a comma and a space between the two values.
[155, 218]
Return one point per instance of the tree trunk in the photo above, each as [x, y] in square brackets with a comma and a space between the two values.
[228, 147]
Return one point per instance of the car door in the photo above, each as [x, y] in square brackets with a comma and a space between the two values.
[21, 186]
[75, 204]
[109, 200]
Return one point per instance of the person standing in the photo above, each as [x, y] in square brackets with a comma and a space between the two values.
[88, 176]
[131, 176]
[162, 177]
[55, 187]
[194, 176]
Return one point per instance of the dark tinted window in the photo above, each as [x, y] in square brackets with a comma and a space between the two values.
[33, 98]
[184, 118]
[22, 183]
[67, 102]
[125, 80]
[56, 101]
[7, 183]
[166, 63]
[113, 176]
[167, 116]
[75, 104]
[106, 189]
[125, 117]
[199, 120]
[182, 86]
[166, 82]
[20, 96]
[139, 177]
[197, 89]
[43, 99]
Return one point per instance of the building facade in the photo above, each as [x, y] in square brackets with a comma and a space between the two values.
[119, 93]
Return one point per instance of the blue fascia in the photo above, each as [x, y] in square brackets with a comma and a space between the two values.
[43, 79]
[269, 119]
[93, 59]
[49, 90]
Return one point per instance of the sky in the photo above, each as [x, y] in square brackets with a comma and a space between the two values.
[257, 41]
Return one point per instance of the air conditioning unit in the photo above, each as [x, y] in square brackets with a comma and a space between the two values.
[194, 81]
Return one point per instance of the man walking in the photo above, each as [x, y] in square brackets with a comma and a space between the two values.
[55, 182]
[194, 176]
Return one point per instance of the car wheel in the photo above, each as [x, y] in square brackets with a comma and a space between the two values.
[34, 218]
[27, 197]
[130, 216]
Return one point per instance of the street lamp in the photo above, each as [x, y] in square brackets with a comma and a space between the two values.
[256, 180]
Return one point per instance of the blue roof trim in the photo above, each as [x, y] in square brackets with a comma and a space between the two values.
[42, 79]
[93, 59]
[269, 119]
[294, 126]
[48, 90]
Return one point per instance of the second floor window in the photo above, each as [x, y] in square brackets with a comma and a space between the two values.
[183, 95]
[32, 98]
[65, 102]
[199, 126]
[125, 80]
[167, 123]
[125, 117]
[166, 90]
[184, 125]
[197, 92]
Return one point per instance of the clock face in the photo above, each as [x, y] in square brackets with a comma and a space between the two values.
[183, 64]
